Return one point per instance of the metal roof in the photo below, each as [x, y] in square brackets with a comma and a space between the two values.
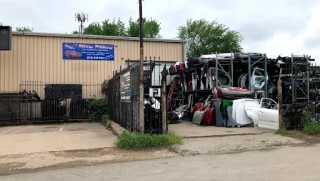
[98, 37]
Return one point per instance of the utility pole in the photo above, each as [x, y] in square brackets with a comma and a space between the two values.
[141, 72]
[280, 101]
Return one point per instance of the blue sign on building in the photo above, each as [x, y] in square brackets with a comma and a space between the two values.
[86, 51]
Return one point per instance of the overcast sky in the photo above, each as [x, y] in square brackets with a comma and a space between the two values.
[268, 26]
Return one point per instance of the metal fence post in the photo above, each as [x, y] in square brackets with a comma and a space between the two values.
[308, 79]
[216, 69]
[232, 69]
[265, 76]
[249, 71]
[164, 100]
[281, 125]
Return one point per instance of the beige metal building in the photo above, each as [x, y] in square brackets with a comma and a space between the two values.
[36, 59]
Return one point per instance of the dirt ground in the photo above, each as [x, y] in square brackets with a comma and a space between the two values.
[37, 148]
[233, 144]
[35, 162]
[266, 141]
[187, 129]
[283, 164]
[307, 140]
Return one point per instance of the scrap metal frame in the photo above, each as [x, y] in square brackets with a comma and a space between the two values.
[264, 59]
[219, 65]
[298, 73]
[294, 68]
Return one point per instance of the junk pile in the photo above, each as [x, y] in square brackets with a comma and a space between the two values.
[231, 90]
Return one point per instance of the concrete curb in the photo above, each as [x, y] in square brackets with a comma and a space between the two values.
[116, 128]
[223, 135]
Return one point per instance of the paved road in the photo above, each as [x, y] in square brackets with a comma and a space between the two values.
[289, 163]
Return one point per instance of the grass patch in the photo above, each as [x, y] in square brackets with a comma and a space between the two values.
[283, 132]
[106, 121]
[136, 142]
[311, 128]
[308, 125]
[108, 124]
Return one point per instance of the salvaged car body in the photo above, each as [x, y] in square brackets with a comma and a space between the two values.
[239, 114]
[232, 93]
[263, 113]
[258, 79]
[244, 57]
[220, 56]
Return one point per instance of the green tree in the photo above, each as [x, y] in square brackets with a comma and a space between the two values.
[106, 28]
[113, 28]
[93, 29]
[204, 37]
[24, 29]
[151, 28]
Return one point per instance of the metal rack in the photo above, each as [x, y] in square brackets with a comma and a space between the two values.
[264, 59]
[301, 87]
[219, 65]
[300, 90]
[226, 66]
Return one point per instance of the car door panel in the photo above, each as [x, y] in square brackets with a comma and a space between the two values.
[268, 118]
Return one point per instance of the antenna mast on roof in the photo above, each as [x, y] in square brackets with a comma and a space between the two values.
[81, 18]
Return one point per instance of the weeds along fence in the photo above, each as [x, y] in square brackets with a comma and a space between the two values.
[300, 93]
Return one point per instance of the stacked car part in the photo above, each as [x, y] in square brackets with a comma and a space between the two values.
[236, 76]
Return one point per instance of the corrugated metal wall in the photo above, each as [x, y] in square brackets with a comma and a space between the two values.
[37, 60]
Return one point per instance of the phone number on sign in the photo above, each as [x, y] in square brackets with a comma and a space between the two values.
[93, 57]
